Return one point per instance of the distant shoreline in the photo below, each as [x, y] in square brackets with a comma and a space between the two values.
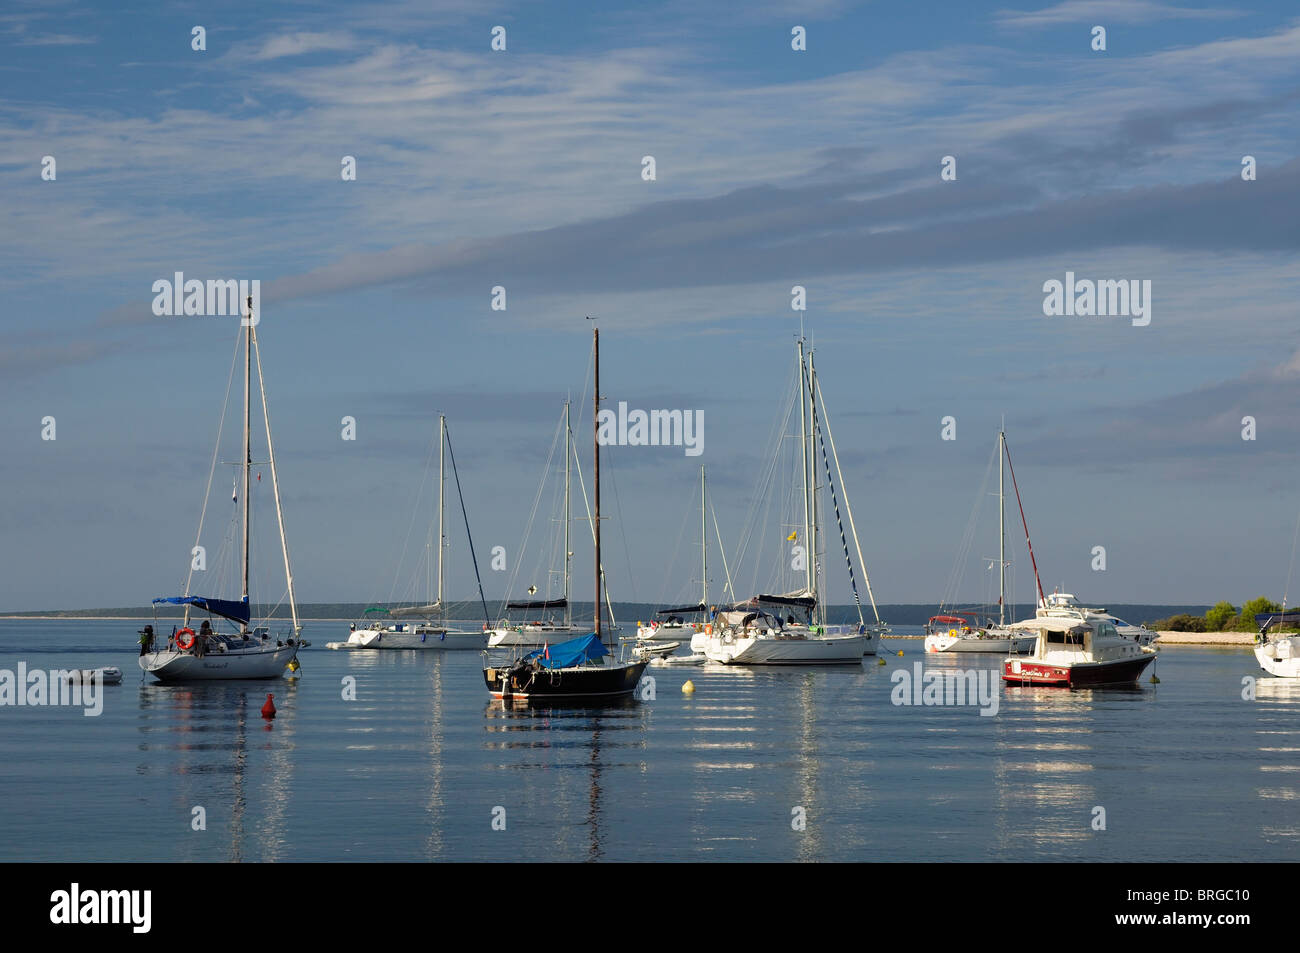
[1205, 638]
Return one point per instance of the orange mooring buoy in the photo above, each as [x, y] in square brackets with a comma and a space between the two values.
[268, 710]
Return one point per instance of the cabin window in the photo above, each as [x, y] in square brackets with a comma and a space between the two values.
[1065, 638]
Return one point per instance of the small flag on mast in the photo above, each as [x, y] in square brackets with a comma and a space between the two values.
[792, 536]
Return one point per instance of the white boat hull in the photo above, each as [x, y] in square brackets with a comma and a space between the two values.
[533, 637]
[170, 665]
[434, 639]
[693, 659]
[1280, 658]
[765, 649]
[108, 675]
[666, 633]
[972, 643]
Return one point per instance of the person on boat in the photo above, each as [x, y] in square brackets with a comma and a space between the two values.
[201, 643]
[146, 640]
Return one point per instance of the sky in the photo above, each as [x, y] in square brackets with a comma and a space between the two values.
[773, 167]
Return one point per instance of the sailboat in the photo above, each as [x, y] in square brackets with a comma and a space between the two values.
[544, 628]
[790, 628]
[432, 631]
[582, 668]
[247, 651]
[1279, 655]
[955, 631]
[671, 627]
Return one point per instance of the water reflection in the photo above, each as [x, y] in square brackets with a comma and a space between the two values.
[1277, 703]
[200, 732]
[548, 735]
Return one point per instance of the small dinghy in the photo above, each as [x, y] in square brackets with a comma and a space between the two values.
[108, 675]
[696, 659]
[650, 650]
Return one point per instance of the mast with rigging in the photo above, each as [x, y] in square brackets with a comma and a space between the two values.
[595, 469]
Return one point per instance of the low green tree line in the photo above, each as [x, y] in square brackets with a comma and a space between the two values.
[1221, 617]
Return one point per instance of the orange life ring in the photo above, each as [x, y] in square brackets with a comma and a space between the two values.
[708, 628]
[182, 645]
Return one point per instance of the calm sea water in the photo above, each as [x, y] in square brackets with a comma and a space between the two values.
[416, 766]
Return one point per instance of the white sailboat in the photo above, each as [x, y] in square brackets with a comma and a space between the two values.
[544, 627]
[247, 651]
[951, 633]
[1279, 655]
[672, 627]
[790, 628]
[431, 632]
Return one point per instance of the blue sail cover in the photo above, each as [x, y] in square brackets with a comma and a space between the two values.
[585, 648]
[227, 608]
[1266, 620]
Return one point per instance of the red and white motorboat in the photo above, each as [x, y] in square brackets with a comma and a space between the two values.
[1079, 650]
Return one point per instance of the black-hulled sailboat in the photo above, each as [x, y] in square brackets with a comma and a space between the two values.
[578, 669]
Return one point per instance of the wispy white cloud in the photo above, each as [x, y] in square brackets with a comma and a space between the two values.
[1108, 11]
[57, 39]
[298, 44]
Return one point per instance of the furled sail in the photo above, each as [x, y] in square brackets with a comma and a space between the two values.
[235, 611]
[416, 612]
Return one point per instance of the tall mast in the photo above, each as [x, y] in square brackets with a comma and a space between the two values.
[595, 468]
[442, 477]
[275, 486]
[1029, 543]
[803, 447]
[818, 608]
[1002, 532]
[248, 449]
[568, 453]
[704, 545]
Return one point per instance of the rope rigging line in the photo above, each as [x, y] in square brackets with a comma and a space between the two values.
[465, 515]
[216, 450]
[1287, 588]
[275, 485]
[604, 582]
[537, 498]
[1037, 582]
[410, 526]
[853, 529]
[762, 492]
[959, 566]
[830, 483]
[723, 551]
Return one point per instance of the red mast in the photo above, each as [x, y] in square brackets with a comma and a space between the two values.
[1028, 541]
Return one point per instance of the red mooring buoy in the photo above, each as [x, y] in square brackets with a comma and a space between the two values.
[268, 710]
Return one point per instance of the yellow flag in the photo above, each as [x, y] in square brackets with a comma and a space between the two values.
[793, 535]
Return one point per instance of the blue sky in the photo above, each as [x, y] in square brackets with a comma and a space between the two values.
[774, 168]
